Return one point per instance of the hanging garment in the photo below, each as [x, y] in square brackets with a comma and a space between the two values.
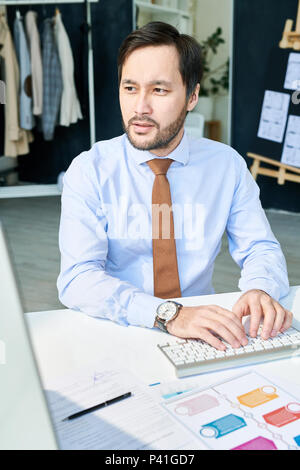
[52, 81]
[36, 61]
[16, 139]
[2, 101]
[26, 115]
[70, 110]
[83, 67]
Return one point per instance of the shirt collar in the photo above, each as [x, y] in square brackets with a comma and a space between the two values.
[180, 154]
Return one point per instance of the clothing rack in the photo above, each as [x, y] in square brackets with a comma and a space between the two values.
[35, 190]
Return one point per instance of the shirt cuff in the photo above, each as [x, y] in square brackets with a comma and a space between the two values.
[142, 310]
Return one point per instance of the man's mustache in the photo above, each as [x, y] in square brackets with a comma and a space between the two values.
[139, 119]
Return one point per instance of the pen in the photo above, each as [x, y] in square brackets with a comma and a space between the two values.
[97, 407]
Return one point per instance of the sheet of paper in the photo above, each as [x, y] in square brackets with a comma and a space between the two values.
[292, 78]
[248, 412]
[164, 391]
[291, 148]
[273, 116]
[138, 422]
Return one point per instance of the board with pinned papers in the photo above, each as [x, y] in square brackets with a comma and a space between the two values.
[277, 140]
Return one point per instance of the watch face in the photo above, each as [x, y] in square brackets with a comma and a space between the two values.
[167, 310]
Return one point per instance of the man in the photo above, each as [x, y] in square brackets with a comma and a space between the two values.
[123, 251]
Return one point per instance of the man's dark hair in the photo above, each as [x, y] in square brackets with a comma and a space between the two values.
[158, 33]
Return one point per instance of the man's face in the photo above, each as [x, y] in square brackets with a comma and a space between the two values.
[153, 98]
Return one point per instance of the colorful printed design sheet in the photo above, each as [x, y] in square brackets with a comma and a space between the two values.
[247, 412]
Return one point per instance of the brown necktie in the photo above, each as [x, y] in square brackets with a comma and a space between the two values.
[165, 268]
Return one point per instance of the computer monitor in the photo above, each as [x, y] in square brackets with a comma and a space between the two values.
[25, 421]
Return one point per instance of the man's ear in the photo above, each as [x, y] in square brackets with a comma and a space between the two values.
[193, 99]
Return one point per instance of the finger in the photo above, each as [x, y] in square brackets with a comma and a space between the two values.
[231, 323]
[233, 317]
[241, 309]
[269, 319]
[216, 327]
[210, 339]
[287, 323]
[279, 319]
[256, 313]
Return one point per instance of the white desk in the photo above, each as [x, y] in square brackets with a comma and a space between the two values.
[66, 341]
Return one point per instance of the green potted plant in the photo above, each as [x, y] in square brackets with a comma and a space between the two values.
[215, 82]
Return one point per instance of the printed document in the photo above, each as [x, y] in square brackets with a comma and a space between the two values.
[138, 422]
[291, 148]
[245, 412]
[274, 116]
[292, 78]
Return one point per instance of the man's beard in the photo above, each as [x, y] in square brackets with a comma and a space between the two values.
[163, 138]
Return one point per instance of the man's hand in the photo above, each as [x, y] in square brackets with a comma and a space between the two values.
[204, 322]
[259, 305]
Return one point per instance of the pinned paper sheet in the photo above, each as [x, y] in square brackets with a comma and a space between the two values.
[274, 116]
[291, 149]
[292, 78]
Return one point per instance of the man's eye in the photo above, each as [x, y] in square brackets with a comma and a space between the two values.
[130, 88]
[161, 91]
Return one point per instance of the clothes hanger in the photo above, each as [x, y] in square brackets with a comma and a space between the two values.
[56, 13]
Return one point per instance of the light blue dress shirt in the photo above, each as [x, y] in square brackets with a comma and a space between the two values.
[106, 227]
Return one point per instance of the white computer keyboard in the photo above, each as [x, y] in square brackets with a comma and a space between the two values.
[190, 357]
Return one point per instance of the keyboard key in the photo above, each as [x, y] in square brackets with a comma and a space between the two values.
[286, 341]
[210, 356]
[229, 353]
[239, 351]
[220, 354]
[189, 361]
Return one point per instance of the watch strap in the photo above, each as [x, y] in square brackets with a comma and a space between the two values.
[161, 325]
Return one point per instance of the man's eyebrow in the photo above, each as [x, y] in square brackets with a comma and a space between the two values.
[160, 82]
[127, 81]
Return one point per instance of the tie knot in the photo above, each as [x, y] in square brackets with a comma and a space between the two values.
[160, 166]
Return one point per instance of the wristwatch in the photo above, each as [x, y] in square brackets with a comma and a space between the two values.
[166, 312]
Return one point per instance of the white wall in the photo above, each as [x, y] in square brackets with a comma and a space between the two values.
[208, 15]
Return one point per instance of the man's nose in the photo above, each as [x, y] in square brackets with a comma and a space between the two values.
[143, 105]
